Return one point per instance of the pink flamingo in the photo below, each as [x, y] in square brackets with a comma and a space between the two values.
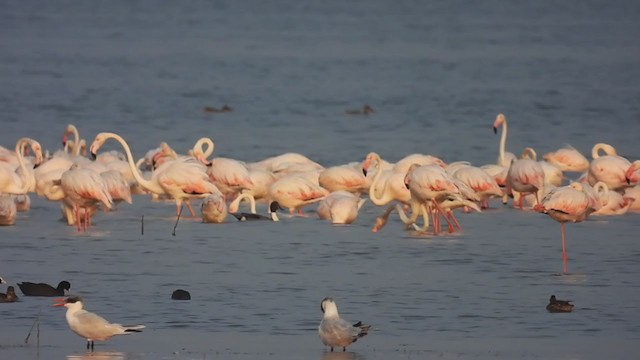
[610, 169]
[21, 180]
[504, 158]
[83, 189]
[483, 184]
[428, 185]
[568, 159]
[525, 176]
[343, 177]
[182, 180]
[341, 207]
[386, 185]
[214, 209]
[564, 204]
[611, 202]
[117, 186]
[229, 175]
[294, 192]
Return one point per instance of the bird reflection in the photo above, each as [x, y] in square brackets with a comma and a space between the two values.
[341, 356]
[99, 355]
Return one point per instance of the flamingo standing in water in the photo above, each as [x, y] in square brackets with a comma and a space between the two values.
[479, 181]
[83, 189]
[525, 176]
[610, 169]
[569, 203]
[179, 179]
[343, 177]
[341, 207]
[21, 180]
[504, 157]
[386, 185]
[294, 192]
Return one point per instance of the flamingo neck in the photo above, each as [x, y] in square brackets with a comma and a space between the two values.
[23, 187]
[384, 198]
[149, 185]
[503, 142]
[608, 150]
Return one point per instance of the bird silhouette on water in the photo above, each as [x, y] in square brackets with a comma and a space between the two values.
[559, 306]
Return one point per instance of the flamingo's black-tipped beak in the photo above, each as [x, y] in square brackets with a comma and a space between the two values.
[495, 130]
[93, 156]
[364, 171]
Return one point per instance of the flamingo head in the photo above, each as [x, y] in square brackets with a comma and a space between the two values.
[631, 175]
[500, 119]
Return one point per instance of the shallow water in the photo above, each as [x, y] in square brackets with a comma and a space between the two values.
[437, 75]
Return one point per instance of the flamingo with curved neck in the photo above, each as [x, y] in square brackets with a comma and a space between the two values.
[21, 180]
[181, 180]
[391, 187]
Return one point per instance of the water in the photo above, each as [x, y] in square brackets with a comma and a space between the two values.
[437, 75]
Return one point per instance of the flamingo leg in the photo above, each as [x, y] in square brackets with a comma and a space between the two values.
[564, 249]
[443, 214]
[87, 218]
[76, 211]
[193, 214]
[455, 221]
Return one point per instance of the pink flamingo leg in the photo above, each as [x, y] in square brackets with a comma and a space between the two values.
[564, 248]
[87, 218]
[443, 214]
[193, 214]
[434, 220]
[455, 221]
[76, 211]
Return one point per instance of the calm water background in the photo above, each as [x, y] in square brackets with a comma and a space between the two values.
[437, 74]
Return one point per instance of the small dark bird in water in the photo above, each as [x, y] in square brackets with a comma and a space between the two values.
[559, 306]
[181, 295]
[366, 110]
[223, 109]
[42, 289]
[10, 296]
[273, 208]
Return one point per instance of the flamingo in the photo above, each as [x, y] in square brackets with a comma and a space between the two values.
[8, 210]
[428, 185]
[343, 177]
[21, 180]
[567, 203]
[83, 189]
[568, 159]
[341, 207]
[386, 185]
[213, 209]
[262, 180]
[483, 184]
[610, 169]
[294, 192]
[525, 176]
[280, 162]
[504, 158]
[117, 186]
[178, 179]
[611, 202]
[403, 165]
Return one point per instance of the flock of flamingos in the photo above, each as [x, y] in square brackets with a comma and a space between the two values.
[422, 189]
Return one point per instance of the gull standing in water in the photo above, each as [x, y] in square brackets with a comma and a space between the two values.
[335, 331]
[92, 326]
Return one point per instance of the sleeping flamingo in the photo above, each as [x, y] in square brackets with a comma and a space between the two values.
[295, 192]
[567, 203]
[179, 179]
[567, 159]
[525, 175]
[610, 169]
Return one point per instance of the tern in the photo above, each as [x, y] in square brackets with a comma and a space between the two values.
[335, 331]
[92, 326]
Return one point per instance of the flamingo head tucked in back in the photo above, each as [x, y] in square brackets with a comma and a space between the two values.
[372, 158]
